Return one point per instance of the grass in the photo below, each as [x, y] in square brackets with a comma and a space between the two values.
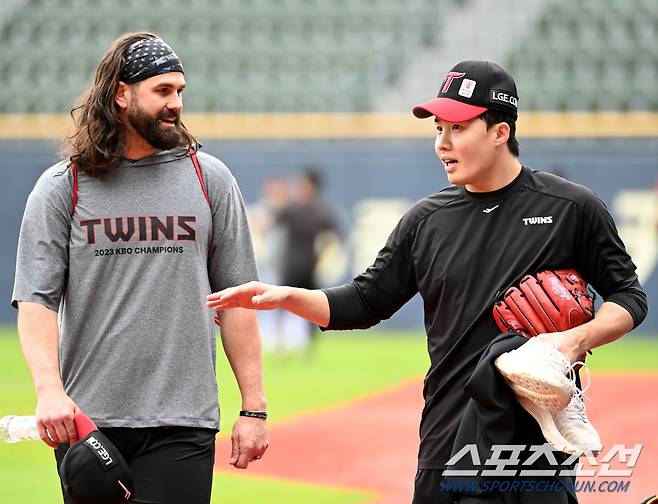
[631, 354]
[237, 489]
[343, 367]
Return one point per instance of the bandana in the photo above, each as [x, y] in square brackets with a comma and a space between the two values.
[146, 58]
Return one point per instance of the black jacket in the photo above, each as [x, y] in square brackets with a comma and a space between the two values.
[494, 417]
[458, 249]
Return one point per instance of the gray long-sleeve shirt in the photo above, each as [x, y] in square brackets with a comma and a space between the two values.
[128, 269]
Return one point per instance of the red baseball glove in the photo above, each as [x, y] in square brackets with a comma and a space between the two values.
[550, 301]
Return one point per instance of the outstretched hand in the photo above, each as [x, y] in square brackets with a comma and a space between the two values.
[252, 295]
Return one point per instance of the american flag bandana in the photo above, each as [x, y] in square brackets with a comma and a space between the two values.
[146, 58]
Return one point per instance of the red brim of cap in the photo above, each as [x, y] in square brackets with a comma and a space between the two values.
[84, 425]
[447, 109]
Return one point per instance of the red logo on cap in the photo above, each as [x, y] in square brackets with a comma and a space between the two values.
[449, 78]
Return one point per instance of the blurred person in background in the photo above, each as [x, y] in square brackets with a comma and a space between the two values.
[309, 227]
[111, 318]
[269, 242]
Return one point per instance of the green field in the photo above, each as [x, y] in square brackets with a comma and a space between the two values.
[345, 366]
[342, 368]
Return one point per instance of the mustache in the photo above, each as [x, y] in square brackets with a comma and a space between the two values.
[168, 114]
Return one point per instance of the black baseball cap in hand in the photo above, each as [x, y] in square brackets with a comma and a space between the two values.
[93, 471]
[468, 90]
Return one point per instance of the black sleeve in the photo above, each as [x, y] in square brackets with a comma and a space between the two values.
[347, 310]
[381, 290]
[603, 260]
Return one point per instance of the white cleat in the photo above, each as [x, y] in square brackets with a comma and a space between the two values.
[573, 424]
[537, 371]
[547, 425]
[569, 430]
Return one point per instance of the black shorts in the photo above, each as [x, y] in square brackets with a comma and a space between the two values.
[171, 465]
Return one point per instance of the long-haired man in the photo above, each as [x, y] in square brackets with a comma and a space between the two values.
[119, 245]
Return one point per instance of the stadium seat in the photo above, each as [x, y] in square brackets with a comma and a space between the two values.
[347, 50]
[575, 56]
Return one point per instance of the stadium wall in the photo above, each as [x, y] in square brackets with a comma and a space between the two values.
[374, 174]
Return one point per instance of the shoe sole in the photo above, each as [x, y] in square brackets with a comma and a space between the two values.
[551, 393]
[548, 427]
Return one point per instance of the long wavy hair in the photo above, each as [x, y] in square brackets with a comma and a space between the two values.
[97, 143]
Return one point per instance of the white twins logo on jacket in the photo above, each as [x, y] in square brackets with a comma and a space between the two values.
[528, 221]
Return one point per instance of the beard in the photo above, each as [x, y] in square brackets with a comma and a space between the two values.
[153, 131]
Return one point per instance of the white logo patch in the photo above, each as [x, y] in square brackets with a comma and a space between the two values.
[489, 210]
[467, 87]
[528, 221]
[100, 450]
[503, 97]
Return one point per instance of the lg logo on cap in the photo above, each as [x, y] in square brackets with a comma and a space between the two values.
[467, 88]
[504, 97]
[100, 450]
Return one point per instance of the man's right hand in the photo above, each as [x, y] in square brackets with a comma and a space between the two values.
[54, 415]
[252, 295]
[311, 305]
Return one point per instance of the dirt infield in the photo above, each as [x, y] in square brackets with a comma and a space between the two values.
[371, 444]
[625, 411]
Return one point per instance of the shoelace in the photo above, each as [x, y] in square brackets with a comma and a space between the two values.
[577, 412]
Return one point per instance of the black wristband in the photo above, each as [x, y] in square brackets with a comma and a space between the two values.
[254, 414]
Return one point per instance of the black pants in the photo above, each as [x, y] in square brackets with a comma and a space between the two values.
[171, 465]
[428, 491]
[427, 488]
